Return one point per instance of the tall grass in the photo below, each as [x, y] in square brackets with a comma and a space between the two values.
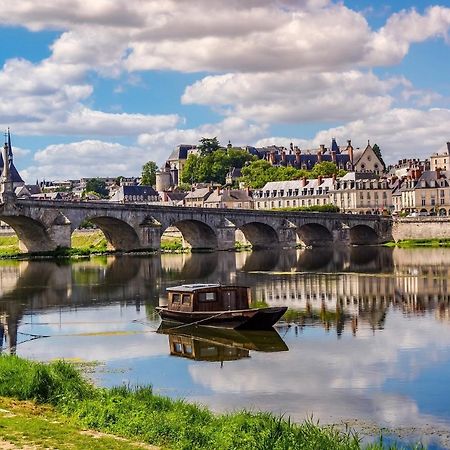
[140, 413]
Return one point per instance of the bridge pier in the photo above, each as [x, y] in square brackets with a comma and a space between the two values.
[150, 236]
[226, 237]
[341, 236]
[287, 235]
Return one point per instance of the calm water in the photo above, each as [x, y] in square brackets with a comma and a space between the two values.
[369, 343]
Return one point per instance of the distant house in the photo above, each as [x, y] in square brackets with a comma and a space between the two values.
[172, 198]
[197, 197]
[27, 190]
[229, 198]
[233, 175]
[135, 194]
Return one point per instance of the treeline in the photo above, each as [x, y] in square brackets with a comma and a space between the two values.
[214, 162]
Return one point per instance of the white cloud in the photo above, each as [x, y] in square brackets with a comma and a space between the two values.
[238, 130]
[293, 96]
[400, 133]
[88, 158]
[391, 43]
[285, 61]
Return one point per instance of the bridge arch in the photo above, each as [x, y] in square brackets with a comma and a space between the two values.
[314, 235]
[196, 235]
[119, 234]
[33, 235]
[259, 235]
[363, 235]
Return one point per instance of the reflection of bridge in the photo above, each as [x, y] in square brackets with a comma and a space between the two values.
[46, 225]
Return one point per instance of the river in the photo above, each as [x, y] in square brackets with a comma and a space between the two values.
[368, 341]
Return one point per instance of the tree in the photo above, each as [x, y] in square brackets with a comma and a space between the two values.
[377, 152]
[213, 167]
[258, 173]
[98, 186]
[324, 169]
[208, 145]
[148, 177]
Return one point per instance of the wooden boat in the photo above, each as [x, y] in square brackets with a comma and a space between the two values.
[215, 305]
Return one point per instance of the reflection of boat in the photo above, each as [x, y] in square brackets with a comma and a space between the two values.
[217, 306]
[220, 344]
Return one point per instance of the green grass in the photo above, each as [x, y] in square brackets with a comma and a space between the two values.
[172, 244]
[411, 243]
[158, 420]
[82, 244]
[25, 424]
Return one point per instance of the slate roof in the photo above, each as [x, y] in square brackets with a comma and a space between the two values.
[146, 191]
[198, 193]
[180, 152]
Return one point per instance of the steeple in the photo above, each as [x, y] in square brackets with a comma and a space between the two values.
[6, 180]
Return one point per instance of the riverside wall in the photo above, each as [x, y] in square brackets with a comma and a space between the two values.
[421, 228]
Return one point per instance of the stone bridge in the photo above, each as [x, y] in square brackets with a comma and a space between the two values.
[44, 225]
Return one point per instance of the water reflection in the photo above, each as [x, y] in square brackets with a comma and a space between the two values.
[216, 344]
[368, 330]
[335, 289]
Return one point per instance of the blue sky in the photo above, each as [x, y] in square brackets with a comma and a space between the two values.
[100, 88]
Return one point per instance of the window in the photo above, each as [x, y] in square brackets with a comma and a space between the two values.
[207, 296]
[186, 299]
[176, 298]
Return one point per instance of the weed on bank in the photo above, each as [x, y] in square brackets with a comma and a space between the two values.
[141, 414]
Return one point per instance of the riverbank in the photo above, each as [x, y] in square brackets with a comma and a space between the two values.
[84, 243]
[412, 243]
[64, 400]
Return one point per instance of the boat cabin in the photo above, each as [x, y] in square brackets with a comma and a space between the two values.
[207, 297]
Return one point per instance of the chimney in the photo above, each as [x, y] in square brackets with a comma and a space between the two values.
[438, 172]
[291, 145]
[272, 158]
[334, 177]
[283, 158]
[218, 190]
[320, 152]
[333, 156]
[319, 180]
[448, 148]
[298, 154]
[304, 181]
[350, 150]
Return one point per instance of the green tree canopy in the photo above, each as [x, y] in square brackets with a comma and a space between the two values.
[208, 145]
[377, 152]
[148, 177]
[213, 167]
[258, 173]
[98, 186]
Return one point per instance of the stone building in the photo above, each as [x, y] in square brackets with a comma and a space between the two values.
[363, 193]
[230, 198]
[426, 193]
[197, 197]
[441, 160]
[135, 194]
[293, 193]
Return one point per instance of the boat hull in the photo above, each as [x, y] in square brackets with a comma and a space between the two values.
[244, 319]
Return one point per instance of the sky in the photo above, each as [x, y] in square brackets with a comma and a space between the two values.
[99, 88]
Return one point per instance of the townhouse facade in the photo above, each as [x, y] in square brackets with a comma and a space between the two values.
[293, 193]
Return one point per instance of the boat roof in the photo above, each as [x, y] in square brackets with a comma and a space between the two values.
[197, 287]
[192, 287]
